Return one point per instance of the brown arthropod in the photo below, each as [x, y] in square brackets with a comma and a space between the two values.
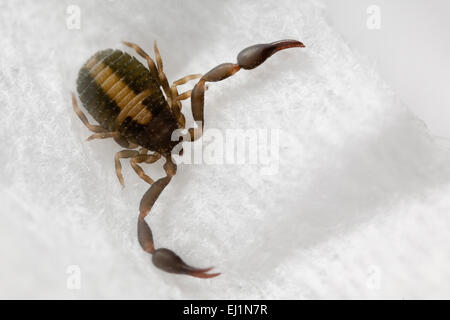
[126, 99]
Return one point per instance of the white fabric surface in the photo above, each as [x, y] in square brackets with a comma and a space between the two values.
[359, 208]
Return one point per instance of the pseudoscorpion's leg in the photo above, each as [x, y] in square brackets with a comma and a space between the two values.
[123, 155]
[81, 115]
[100, 132]
[176, 104]
[104, 135]
[183, 96]
[248, 58]
[147, 158]
[187, 94]
[157, 72]
[143, 54]
[162, 75]
[124, 143]
[163, 258]
[185, 79]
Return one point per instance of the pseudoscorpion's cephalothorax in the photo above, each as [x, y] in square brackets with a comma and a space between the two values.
[125, 98]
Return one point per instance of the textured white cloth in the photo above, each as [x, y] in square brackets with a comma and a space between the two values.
[358, 209]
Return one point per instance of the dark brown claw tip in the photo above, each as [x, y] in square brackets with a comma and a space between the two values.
[169, 261]
[253, 56]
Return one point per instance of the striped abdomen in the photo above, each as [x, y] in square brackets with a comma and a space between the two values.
[122, 95]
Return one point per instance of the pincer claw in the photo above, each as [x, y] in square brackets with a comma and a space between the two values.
[253, 56]
[169, 261]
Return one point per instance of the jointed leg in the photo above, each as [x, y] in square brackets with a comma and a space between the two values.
[100, 132]
[80, 114]
[143, 54]
[162, 75]
[179, 116]
[104, 135]
[164, 259]
[123, 155]
[183, 96]
[136, 157]
[124, 143]
[185, 79]
[176, 104]
[147, 158]
[248, 58]
[156, 71]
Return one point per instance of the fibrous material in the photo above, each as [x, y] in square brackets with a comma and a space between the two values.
[356, 208]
